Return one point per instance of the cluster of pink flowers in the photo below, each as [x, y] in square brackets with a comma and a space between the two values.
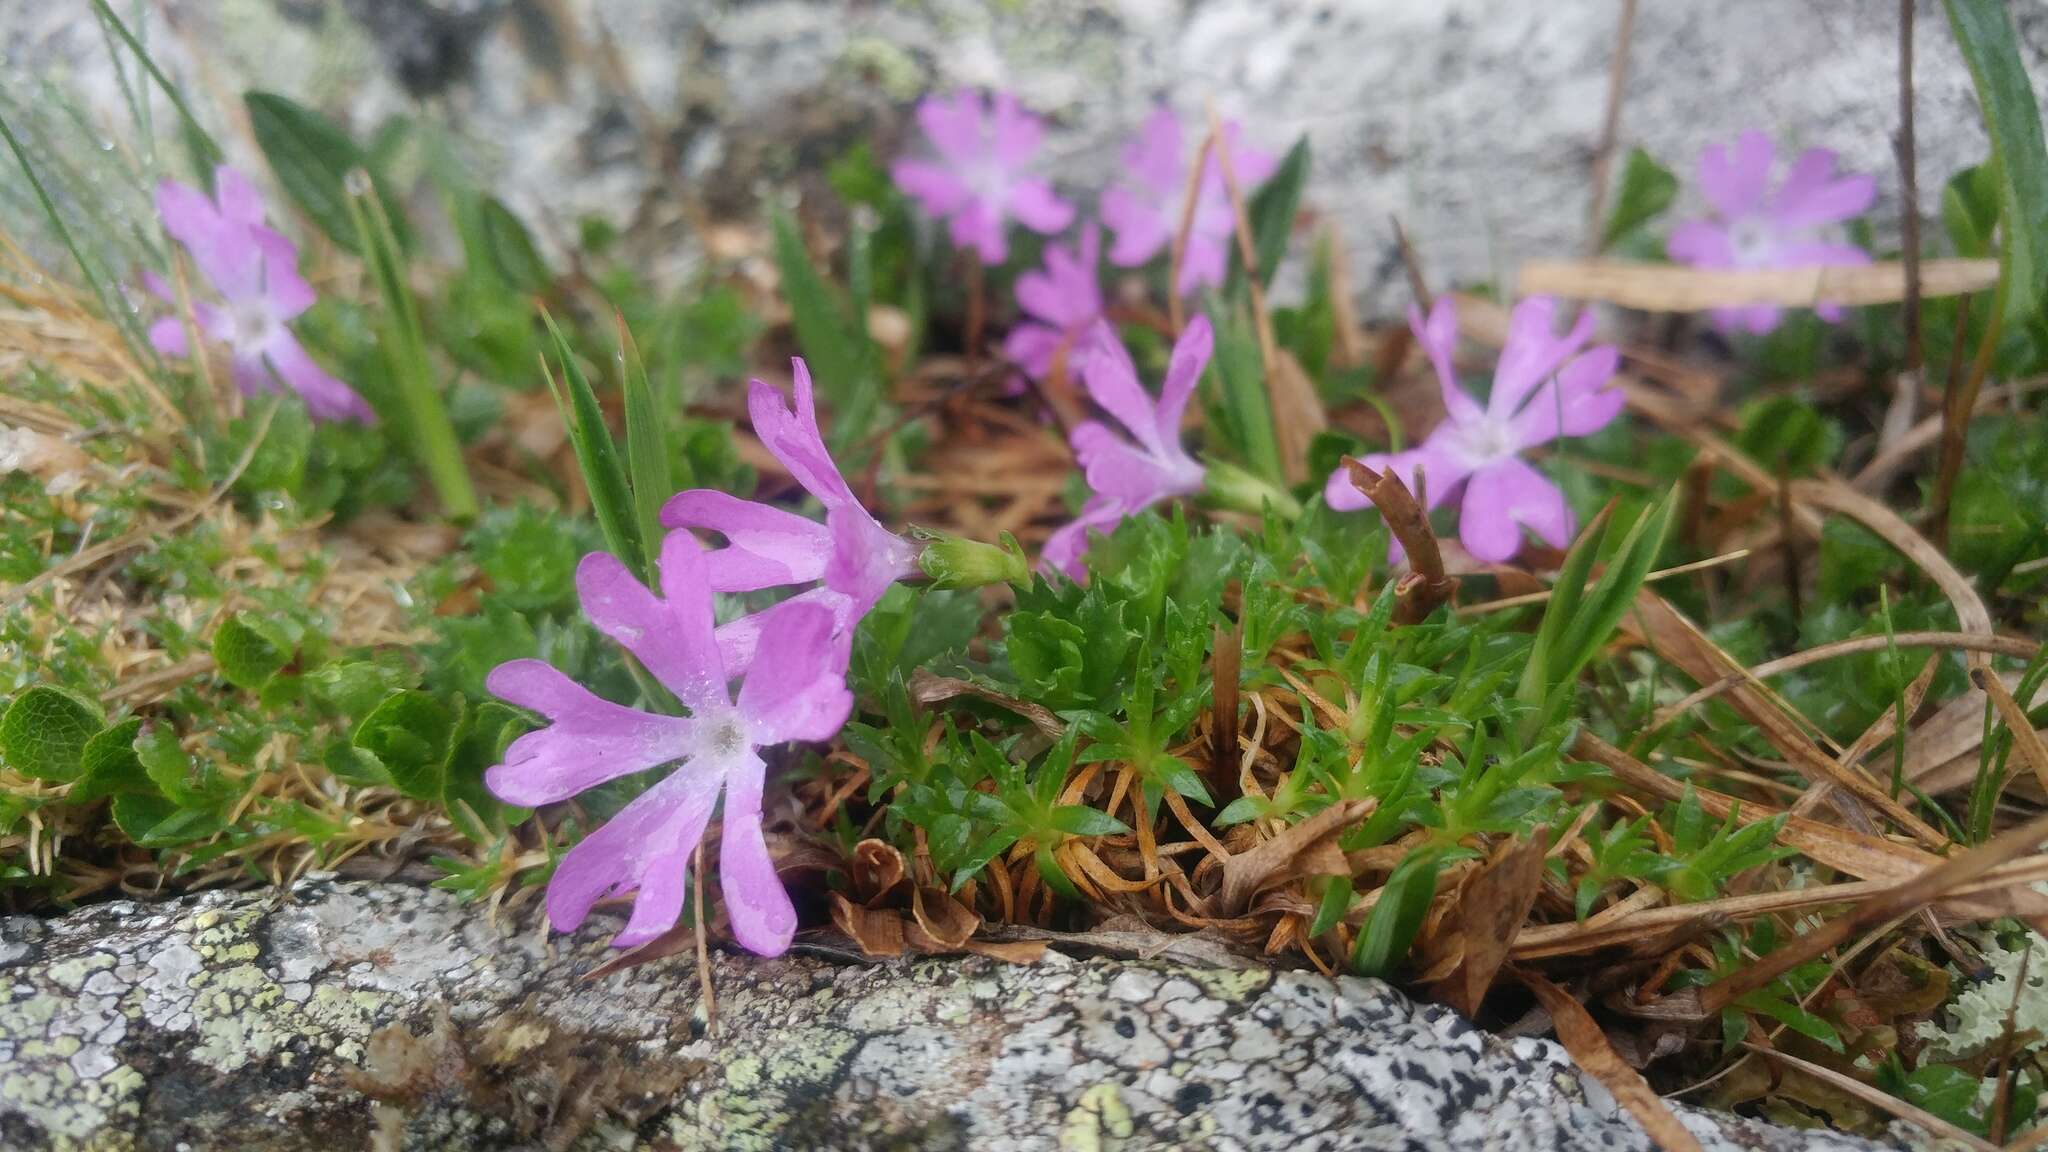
[790, 661]
[255, 271]
[979, 180]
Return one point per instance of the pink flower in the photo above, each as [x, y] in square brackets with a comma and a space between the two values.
[1061, 301]
[1749, 228]
[796, 691]
[1145, 209]
[978, 180]
[769, 547]
[255, 271]
[1543, 388]
[1126, 477]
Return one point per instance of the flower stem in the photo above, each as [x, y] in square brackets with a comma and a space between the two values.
[1230, 486]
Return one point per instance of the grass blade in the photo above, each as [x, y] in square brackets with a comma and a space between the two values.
[647, 458]
[597, 456]
[2012, 118]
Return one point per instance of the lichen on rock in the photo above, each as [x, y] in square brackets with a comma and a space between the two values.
[357, 1015]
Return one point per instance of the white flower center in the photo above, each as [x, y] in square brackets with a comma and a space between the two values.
[727, 737]
[249, 326]
[1486, 439]
[1752, 241]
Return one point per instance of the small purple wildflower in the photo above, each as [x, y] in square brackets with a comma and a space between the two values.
[796, 690]
[1144, 210]
[769, 547]
[1061, 301]
[1126, 477]
[978, 181]
[1797, 227]
[1543, 388]
[255, 271]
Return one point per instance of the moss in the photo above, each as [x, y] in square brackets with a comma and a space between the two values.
[1100, 1122]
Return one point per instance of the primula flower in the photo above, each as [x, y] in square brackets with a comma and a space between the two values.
[978, 180]
[1797, 227]
[1127, 476]
[1144, 210]
[769, 547]
[796, 690]
[1061, 301]
[1543, 388]
[255, 271]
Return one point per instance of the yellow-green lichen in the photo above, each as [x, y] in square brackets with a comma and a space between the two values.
[1100, 1122]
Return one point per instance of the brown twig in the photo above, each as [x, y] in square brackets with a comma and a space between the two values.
[1610, 128]
[1426, 585]
[1417, 286]
[2024, 738]
[1174, 314]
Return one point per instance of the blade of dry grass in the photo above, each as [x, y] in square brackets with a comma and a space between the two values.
[1675, 288]
[1594, 1053]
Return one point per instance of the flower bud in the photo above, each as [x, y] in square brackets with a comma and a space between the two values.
[1230, 486]
[957, 562]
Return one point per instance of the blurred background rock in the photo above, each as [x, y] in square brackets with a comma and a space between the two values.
[1476, 122]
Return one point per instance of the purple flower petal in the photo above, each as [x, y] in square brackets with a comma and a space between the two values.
[1532, 353]
[1438, 336]
[285, 293]
[739, 640]
[1064, 548]
[763, 920]
[937, 188]
[1034, 204]
[1112, 382]
[645, 847]
[671, 635]
[954, 125]
[1701, 243]
[1016, 133]
[1031, 347]
[1577, 402]
[796, 686]
[1501, 499]
[587, 742]
[240, 203]
[167, 336]
[766, 546]
[1811, 196]
[865, 558]
[1141, 231]
[1184, 370]
[792, 436]
[223, 249]
[326, 397]
[1734, 180]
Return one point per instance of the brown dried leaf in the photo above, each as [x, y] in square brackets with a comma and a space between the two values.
[927, 687]
[878, 931]
[1592, 1052]
[1489, 914]
[1305, 849]
[877, 867]
[939, 922]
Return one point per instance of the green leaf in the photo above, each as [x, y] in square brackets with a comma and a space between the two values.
[1391, 925]
[205, 153]
[44, 732]
[110, 765]
[1947, 1091]
[1081, 820]
[136, 813]
[1240, 398]
[842, 358]
[1271, 211]
[1647, 189]
[247, 652]
[412, 734]
[1969, 209]
[647, 453]
[511, 248]
[312, 158]
[2012, 118]
[604, 474]
[1331, 906]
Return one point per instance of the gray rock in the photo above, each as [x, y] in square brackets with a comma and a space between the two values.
[339, 1014]
[1474, 121]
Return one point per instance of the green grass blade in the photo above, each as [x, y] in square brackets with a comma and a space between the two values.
[314, 159]
[604, 474]
[1271, 211]
[2012, 118]
[206, 153]
[647, 455]
[842, 358]
[428, 429]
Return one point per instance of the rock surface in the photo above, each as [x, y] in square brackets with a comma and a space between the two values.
[1474, 121]
[358, 1015]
